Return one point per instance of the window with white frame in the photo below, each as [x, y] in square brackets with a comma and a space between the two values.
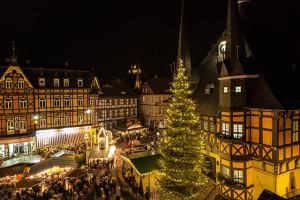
[8, 103]
[42, 82]
[80, 82]
[225, 171]
[80, 101]
[80, 118]
[238, 131]
[238, 89]
[21, 83]
[121, 101]
[43, 123]
[56, 102]
[121, 112]
[56, 122]
[23, 103]
[92, 102]
[225, 90]
[42, 103]
[67, 102]
[23, 126]
[295, 131]
[67, 121]
[56, 82]
[10, 127]
[238, 175]
[66, 82]
[225, 128]
[8, 83]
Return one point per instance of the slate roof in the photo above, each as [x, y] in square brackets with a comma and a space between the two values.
[159, 85]
[49, 74]
[263, 92]
[116, 88]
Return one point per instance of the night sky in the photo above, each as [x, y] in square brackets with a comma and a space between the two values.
[114, 34]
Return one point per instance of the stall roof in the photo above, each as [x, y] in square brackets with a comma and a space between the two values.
[62, 153]
[99, 153]
[76, 173]
[52, 162]
[21, 160]
[143, 162]
[27, 183]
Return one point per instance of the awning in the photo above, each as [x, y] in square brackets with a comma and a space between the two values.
[18, 139]
[76, 173]
[30, 160]
[62, 153]
[99, 153]
[27, 183]
[53, 162]
[143, 162]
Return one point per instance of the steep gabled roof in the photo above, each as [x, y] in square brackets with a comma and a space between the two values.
[116, 88]
[158, 85]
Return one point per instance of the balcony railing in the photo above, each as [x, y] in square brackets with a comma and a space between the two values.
[292, 194]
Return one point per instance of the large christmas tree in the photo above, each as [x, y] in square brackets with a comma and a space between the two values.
[182, 160]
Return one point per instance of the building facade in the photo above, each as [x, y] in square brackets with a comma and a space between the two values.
[117, 103]
[252, 134]
[42, 106]
[153, 101]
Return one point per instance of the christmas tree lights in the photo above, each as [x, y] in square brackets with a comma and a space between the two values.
[182, 162]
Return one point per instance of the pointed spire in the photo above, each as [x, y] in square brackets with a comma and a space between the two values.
[183, 47]
[234, 41]
[13, 58]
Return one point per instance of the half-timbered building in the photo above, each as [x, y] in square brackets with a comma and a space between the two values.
[251, 130]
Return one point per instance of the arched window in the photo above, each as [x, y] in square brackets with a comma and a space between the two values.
[8, 83]
[21, 83]
[7, 103]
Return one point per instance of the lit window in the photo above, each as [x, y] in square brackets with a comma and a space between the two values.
[41, 81]
[8, 103]
[23, 103]
[238, 176]
[225, 129]
[8, 83]
[121, 101]
[207, 91]
[56, 82]
[225, 90]
[80, 118]
[80, 82]
[205, 125]
[21, 83]
[42, 123]
[67, 121]
[10, 127]
[225, 171]
[238, 89]
[56, 122]
[22, 126]
[67, 101]
[212, 127]
[296, 131]
[80, 101]
[66, 82]
[42, 102]
[56, 102]
[121, 112]
[143, 99]
[238, 131]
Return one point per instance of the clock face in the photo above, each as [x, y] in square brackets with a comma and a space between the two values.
[222, 47]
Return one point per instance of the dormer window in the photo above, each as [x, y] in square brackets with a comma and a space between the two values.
[21, 83]
[238, 89]
[80, 82]
[8, 83]
[66, 82]
[56, 82]
[225, 90]
[41, 81]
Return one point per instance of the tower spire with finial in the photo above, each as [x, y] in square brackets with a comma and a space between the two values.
[13, 58]
[183, 47]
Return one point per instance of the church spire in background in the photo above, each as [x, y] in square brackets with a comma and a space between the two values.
[13, 58]
[183, 47]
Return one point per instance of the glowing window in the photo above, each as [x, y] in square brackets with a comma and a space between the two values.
[225, 90]
[21, 83]
[238, 89]
[56, 82]
[8, 83]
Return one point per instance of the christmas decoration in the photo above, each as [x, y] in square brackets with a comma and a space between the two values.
[182, 162]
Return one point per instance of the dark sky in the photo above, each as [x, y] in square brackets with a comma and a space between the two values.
[113, 34]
